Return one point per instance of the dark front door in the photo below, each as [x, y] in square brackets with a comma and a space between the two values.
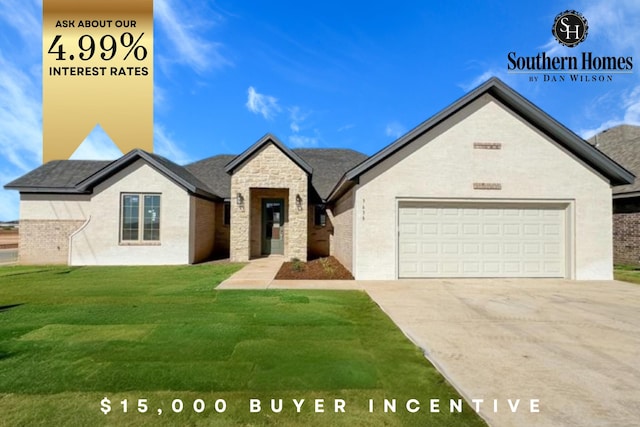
[272, 226]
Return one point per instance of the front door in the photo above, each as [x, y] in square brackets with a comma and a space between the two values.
[273, 226]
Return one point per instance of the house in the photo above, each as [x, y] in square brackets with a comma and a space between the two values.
[491, 186]
[622, 143]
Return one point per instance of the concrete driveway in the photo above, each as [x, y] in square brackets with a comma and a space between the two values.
[575, 346]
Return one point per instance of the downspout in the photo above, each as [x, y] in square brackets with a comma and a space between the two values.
[82, 227]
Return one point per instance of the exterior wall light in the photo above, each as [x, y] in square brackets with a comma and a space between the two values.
[298, 201]
[240, 200]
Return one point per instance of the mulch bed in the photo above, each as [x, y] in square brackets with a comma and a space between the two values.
[327, 268]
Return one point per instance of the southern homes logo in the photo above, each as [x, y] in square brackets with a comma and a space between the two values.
[570, 28]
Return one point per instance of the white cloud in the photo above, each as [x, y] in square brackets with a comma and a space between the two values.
[164, 145]
[182, 29]
[23, 16]
[298, 141]
[297, 117]
[346, 127]
[97, 146]
[630, 114]
[20, 117]
[613, 22]
[262, 104]
[9, 200]
[395, 129]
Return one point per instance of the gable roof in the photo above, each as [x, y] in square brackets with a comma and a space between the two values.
[267, 139]
[81, 176]
[622, 143]
[615, 173]
[328, 165]
[57, 176]
[211, 172]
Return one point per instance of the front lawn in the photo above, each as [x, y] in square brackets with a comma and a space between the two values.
[69, 337]
[627, 273]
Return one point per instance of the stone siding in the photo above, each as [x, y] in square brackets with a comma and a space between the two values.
[626, 238]
[268, 168]
[45, 241]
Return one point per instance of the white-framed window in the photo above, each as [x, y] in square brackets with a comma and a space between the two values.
[140, 218]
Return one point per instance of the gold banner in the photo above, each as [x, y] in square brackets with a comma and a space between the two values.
[97, 68]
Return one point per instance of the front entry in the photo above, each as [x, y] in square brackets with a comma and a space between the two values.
[272, 226]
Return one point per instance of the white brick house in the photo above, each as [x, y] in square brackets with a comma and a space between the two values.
[489, 187]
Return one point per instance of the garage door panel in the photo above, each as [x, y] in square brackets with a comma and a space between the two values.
[481, 241]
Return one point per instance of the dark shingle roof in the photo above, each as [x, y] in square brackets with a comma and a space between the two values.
[57, 175]
[329, 164]
[206, 177]
[622, 144]
[80, 176]
[211, 172]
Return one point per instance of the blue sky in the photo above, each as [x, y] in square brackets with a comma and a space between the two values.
[321, 74]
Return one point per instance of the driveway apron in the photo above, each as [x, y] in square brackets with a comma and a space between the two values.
[572, 345]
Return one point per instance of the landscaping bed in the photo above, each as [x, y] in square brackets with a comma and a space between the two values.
[327, 268]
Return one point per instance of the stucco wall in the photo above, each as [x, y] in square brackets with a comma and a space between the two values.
[98, 242]
[202, 229]
[269, 168]
[341, 243]
[443, 164]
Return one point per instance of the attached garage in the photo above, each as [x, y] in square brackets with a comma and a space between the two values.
[490, 186]
[482, 240]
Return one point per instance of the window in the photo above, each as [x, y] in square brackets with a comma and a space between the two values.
[226, 215]
[140, 220]
[320, 216]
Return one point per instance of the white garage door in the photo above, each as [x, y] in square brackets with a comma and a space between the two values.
[467, 240]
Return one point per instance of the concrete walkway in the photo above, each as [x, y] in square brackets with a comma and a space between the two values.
[260, 273]
[257, 274]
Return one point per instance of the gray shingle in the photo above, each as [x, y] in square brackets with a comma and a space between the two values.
[622, 144]
[329, 164]
[58, 174]
[211, 172]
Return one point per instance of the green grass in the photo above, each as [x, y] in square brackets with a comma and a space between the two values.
[627, 273]
[70, 337]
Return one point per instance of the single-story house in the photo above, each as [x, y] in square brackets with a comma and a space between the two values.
[622, 143]
[491, 186]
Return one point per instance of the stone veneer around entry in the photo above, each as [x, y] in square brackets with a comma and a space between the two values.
[268, 168]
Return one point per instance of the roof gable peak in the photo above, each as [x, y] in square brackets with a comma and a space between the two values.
[262, 142]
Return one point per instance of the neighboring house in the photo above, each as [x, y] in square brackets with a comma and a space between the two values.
[622, 143]
[489, 187]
